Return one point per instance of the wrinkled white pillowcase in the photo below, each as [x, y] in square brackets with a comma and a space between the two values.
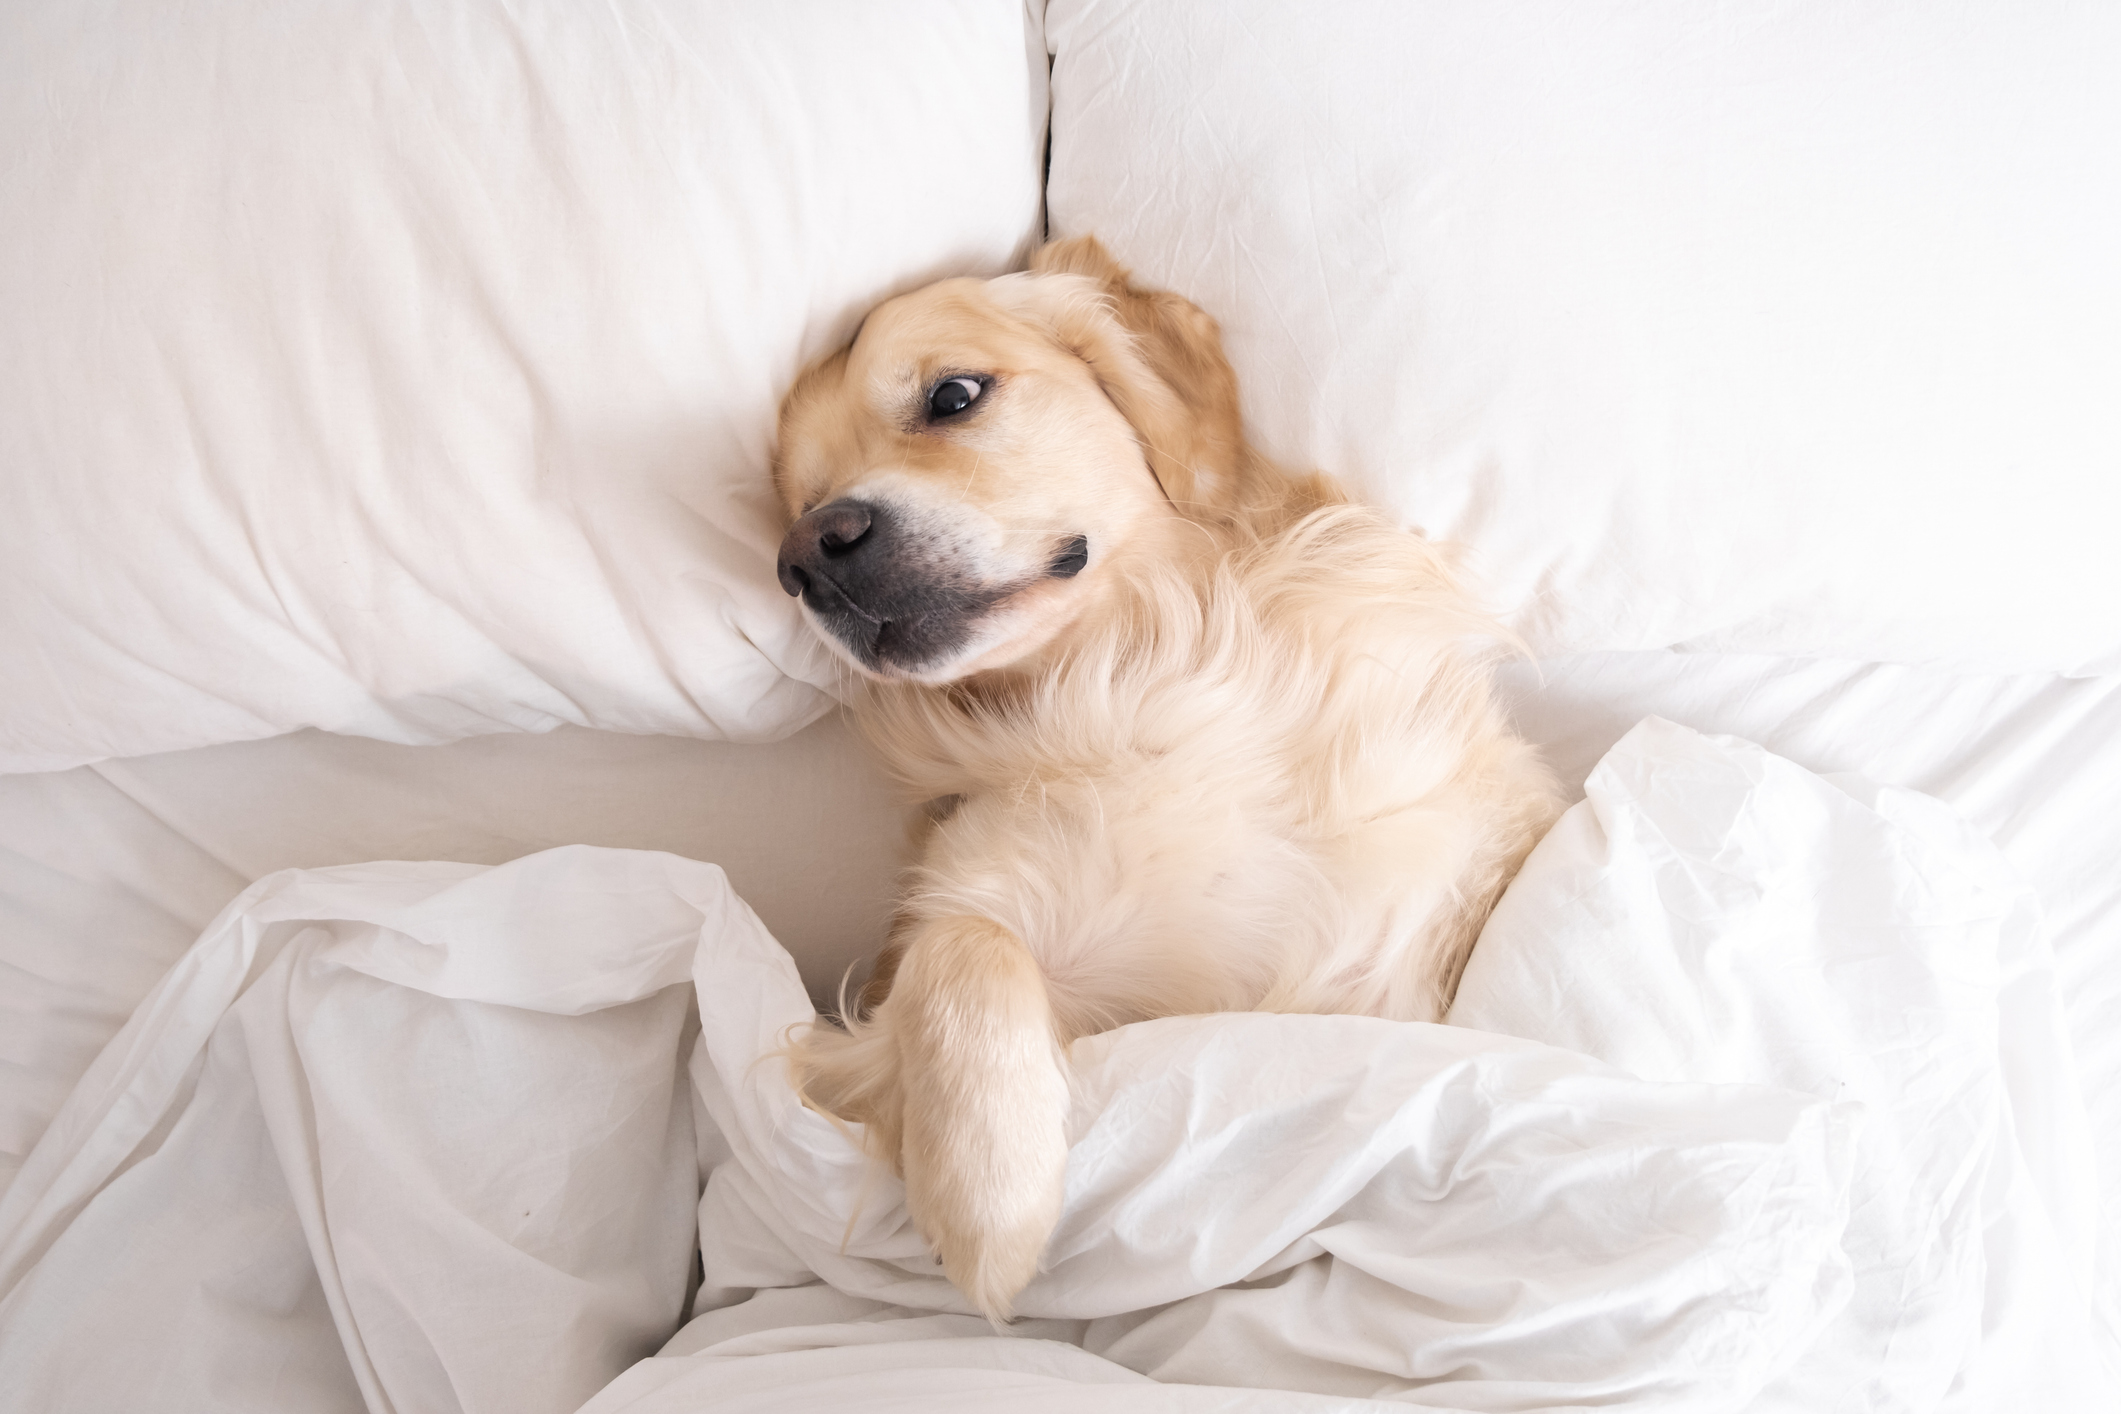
[410, 370]
[1761, 327]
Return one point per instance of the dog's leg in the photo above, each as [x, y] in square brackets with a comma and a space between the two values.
[984, 1104]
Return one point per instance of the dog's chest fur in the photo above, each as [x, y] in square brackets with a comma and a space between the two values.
[1280, 784]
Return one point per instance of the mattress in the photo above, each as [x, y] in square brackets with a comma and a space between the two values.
[108, 872]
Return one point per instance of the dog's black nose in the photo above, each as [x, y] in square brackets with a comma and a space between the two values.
[831, 532]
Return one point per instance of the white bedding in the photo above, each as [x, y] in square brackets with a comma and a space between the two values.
[107, 873]
[1777, 327]
[409, 368]
[1441, 1215]
[2032, 761]
[1712, 912]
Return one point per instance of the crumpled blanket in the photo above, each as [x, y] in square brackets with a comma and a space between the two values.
[433, 1136]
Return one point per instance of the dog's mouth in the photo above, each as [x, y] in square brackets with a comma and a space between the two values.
[906, 635]
[896, 590]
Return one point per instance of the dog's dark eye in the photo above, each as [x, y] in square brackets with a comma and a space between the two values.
[953, 395]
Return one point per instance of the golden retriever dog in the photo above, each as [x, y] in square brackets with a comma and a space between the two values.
[1201, 735]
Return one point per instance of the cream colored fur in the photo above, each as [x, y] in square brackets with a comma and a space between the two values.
[1254, 764]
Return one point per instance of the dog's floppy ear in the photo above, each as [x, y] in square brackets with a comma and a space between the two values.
[1160, 359]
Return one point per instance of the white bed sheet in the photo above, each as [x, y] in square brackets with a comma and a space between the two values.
[107, 873]
[406, 1136]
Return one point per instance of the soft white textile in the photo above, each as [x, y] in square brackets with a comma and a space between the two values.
[1420, 1211]
[1454, 1218]
[391, 1126]
[409, 368]
[827, 1351]
[1778, 326]
[107, 873]
[401, 1136]
[2031, 762]
[1713, 912]
[811, 1348]
[387, 1089]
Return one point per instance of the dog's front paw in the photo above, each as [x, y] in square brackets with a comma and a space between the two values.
[988, 1207]
[982, 1103]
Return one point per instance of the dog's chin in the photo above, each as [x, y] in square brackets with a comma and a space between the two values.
[934, 670]
[893, 651]
[933, 654]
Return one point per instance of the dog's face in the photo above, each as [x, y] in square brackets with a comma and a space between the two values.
[969, 478]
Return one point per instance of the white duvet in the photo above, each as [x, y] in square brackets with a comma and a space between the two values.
[431, 1136]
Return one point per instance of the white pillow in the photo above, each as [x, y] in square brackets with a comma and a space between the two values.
[1775, 327]
[410, 370]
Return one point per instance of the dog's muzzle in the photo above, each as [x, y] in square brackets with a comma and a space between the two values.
[882, 593]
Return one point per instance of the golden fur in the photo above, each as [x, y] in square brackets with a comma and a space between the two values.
[1246, 759]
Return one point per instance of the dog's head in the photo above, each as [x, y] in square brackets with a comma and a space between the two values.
[971, 477]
